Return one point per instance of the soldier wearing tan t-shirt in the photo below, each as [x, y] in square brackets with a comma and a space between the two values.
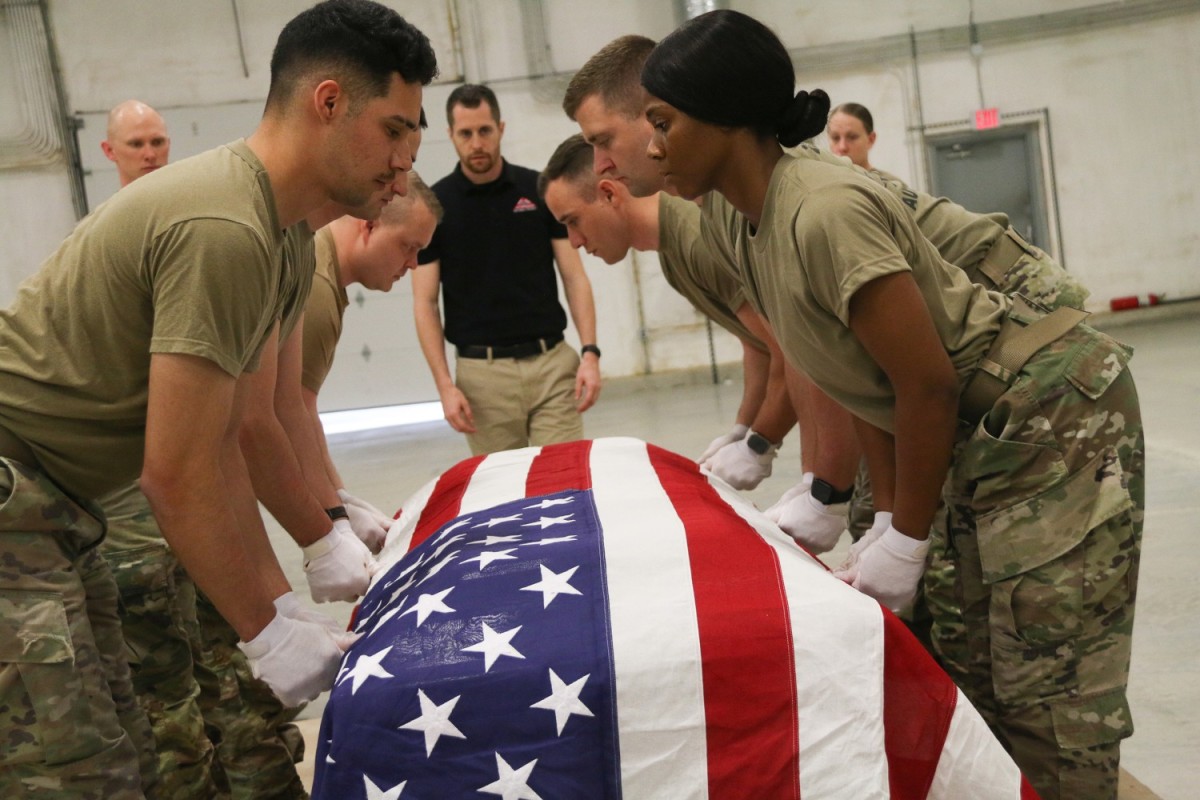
[1024, 422]
[372, 254]
[123, 354]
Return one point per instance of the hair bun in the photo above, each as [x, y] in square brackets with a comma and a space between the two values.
[804, 117]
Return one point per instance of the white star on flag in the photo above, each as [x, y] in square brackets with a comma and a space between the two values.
[434, 721]
[491, 540]
[375, 793]
[553, 501]
[546, 522]
[552, 584]
[367, 667]
[441, 548]
[549, 540]
[564, 700]
[512, 784]
[494, 645]
[438, 567]
[454, 526]
[494, 521]
[488, 556]
[428, 603]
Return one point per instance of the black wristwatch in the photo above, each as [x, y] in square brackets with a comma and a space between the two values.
[823, 492]
[337, 512]
[590, 348]
[758, 443]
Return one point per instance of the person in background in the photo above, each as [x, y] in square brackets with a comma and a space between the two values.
[375, 255]
[851, 133]
[137, 140]
[516, 382]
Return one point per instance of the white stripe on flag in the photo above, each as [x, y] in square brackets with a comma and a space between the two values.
[837, 634]
[499, 479]
[656, 645]
[973, 763]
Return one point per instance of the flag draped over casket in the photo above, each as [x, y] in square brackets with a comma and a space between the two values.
[602, 620]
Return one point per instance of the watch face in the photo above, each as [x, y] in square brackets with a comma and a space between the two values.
[757, 443]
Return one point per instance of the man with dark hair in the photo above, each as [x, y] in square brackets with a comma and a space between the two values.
[516, 382]
[125, 353]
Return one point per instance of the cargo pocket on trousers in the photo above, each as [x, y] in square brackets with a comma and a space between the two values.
[1034, 556]
[1092, 721]
[42, 696]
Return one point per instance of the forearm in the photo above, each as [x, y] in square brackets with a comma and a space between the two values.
[191, 503]
[250, 522]
[925, 423]
[836, 459]
[279, 481]
[318, 432]
[879, 450]
[755, 382]
[582, 306]
[775, 416]
[432, 337]
[308, 444]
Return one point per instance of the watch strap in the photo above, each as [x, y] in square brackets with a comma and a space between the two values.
[825, 493]
[590, 348]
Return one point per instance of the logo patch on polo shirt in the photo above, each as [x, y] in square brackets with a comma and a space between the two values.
[524, 204]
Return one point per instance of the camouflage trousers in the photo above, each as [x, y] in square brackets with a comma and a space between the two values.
[217, 727]
[1038, 277]
[1044, 510]
[70, 726]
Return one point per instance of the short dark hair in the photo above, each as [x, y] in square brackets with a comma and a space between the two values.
[470, 95]
[572, 161]
[398, 208]
[360, 43]
[859, 112]
[727, 68]
[613, 73]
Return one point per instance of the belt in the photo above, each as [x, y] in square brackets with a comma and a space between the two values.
[1014, 345]
[1001, 256]
[519, 350]
[16, 449]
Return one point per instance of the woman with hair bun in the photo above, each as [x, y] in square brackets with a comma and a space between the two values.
[1023, 423]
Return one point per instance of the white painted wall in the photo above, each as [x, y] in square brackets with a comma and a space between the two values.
[1122, 102]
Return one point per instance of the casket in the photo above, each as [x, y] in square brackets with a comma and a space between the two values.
[600, 619]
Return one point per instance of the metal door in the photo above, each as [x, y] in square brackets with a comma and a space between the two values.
[996, 170]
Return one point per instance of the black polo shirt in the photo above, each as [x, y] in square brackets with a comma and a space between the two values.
[497, 265]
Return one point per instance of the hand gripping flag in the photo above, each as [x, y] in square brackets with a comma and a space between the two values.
[600, 620]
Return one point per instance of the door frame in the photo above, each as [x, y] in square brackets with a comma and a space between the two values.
[1036, 125]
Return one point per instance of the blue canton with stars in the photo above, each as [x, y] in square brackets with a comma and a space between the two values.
[485, 666]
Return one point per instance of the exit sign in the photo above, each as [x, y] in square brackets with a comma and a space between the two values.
[987, 118]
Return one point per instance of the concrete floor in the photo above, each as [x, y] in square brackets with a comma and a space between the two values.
[684, 411]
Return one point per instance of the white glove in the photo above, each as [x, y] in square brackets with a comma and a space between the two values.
[369, 523]
[890, 569]
[848, 571]
[298, 660]
[292, 607]
[741, 467]
[338, 565]
[773, 513]
[736, 435]
[814, 525]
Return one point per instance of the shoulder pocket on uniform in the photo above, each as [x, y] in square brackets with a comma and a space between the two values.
[33, 628]
[1097, 364]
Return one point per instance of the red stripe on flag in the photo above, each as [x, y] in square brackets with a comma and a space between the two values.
[559, 467]
[444, 503]
[1027, 791]
[748, 669]
[918, 704]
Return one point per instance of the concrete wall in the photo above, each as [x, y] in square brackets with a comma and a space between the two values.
[1122, 101]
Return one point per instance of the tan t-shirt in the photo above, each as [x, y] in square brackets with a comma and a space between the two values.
[323, 315]
[300, 261]
[693, 270]
[185, 260]
[825, 232]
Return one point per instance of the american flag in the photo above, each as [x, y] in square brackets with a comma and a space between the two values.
[600, 620]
